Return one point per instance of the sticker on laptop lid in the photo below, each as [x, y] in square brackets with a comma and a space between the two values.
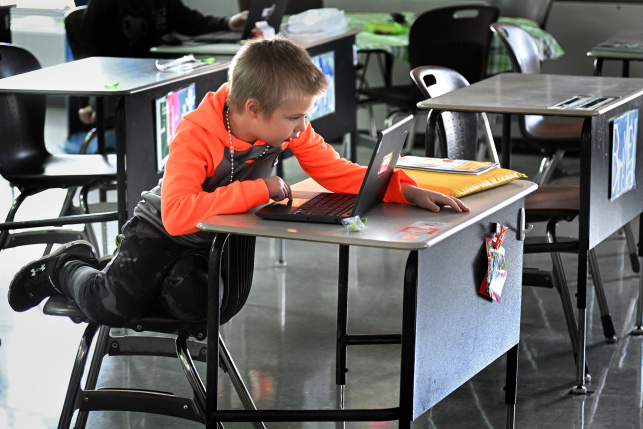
[386, 162]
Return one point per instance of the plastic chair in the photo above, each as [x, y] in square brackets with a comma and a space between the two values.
[536, 10]
[550, 204]
[237, 269]
[554, 136]
[26, 164]
[457, 37]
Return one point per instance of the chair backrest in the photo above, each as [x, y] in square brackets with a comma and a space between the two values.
[522, 49]
[536, 10]
[457, 37]
[73, 26]
[457, 131]
[22, 126]
[294, 6]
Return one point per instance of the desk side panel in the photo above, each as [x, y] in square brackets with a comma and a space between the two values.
[607, 216]
[458, 331]
[142, 174]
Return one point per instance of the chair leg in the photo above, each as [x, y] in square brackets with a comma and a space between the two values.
[237, 381]
[561, 284]
[606, 317]
[76, 376]
[94, 370]
[631, 245]
[548, 166]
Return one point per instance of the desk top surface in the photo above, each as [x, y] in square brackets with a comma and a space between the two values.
[385, 221]
[625, 45]
[534, 94]
[232, 48]
[98, 76]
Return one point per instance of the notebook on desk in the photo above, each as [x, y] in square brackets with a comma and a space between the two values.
[326, 207]
[260, 10]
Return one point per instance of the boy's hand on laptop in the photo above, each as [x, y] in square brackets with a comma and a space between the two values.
[431, 200]
[278, 188]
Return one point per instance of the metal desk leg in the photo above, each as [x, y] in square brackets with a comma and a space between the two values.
[579, 388]
[341, 366]
[121, 177]
[212, 374]
[626, 68]
[281, 257]
[100, 125]
[506, 141]
[511, 385]
[598, 67]
[409, 317]
[638, 327]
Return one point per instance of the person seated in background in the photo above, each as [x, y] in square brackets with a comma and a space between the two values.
[129, 28]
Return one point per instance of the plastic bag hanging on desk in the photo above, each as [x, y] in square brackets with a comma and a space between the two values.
[494, 281]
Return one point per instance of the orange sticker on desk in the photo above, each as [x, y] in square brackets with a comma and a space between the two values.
[405, 236]
[416, 230]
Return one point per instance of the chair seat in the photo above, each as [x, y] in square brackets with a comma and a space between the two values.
[59, 171]
[403, 97]
[564, 133]
[552, 200]
[60, 305]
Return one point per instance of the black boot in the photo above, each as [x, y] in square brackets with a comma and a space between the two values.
[39, 279]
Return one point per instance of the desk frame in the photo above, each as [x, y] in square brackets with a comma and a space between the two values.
[427, 373]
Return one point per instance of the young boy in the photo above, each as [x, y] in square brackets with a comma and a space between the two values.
[261, 111]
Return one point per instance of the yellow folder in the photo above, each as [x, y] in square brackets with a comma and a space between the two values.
[459, 185]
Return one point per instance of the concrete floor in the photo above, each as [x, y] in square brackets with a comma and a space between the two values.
[283, 343]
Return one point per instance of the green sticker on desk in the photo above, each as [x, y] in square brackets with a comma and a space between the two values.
[112, 86]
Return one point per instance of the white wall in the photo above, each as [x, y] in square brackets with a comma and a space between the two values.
[577, 26]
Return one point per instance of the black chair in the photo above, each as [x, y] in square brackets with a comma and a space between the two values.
[536, 10]
[550, 204]
[457, 37]
[237, 273]
[26, 164]
[552, 135]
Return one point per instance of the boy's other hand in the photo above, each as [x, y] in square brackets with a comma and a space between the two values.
[278, 188]
[431, 200]
[238, 21]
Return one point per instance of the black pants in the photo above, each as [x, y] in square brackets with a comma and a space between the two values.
[136, 279]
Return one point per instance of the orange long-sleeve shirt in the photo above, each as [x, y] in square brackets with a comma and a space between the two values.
[199, 156]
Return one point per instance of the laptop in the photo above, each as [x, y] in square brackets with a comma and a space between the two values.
[260, 10]
[325, 207]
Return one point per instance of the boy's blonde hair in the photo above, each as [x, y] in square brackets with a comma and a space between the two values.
[272, 72]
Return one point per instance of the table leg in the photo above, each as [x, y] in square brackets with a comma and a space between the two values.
[100, 125]
[626, 68]
[598, 67]
[409, 312]
[638, 327]
[511, 385]
[580, 388]
[506, 141]
[212, 362]
[341, 365]
[121, 177]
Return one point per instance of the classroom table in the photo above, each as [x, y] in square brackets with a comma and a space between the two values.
[332, 126]
[449, 331]
[534, 94]
[625, 46]
[396, 46]
[138, 83]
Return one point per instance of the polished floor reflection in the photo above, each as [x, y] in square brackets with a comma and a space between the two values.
[283, 344]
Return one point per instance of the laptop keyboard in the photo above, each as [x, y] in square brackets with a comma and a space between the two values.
[327, 204]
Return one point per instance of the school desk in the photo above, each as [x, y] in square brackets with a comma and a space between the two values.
[535, 94]
[625, 46]
[443, 342]
[138, 83]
